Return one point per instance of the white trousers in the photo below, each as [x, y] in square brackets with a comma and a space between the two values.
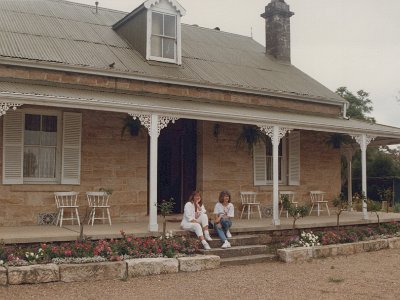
[196, 227]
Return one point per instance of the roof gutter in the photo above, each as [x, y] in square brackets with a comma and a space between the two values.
[125, 75]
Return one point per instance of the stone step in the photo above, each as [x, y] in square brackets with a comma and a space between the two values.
[236, 251]
[249, 259]
[236, 240]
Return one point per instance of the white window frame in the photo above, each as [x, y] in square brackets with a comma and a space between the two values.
[178, 43]
[58, 114]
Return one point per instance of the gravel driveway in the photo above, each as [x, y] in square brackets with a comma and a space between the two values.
[374, 275]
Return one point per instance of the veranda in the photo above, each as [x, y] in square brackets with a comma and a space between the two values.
[50, 233]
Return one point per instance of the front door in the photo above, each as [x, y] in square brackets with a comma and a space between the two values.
[177, 162]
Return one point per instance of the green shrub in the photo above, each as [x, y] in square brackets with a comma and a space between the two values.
[396, 207]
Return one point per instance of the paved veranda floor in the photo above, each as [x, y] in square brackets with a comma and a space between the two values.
[48, 233]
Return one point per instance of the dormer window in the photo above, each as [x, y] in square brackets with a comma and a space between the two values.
[163, 36]
[154, 29]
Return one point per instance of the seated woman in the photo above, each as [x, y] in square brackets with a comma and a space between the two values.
[224, 211]
[195, 219]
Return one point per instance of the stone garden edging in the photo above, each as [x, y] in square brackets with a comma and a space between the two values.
[289, 255]
[43, 273]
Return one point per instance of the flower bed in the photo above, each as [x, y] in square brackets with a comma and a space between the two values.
[121, 258]
[127, 247]
[342, 236]
[341, 242]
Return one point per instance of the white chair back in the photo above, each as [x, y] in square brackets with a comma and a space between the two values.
[66, 199]
[97, 199]
[317, 196]
[248, 198]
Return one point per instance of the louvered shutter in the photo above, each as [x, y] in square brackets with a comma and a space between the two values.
[294, 158]
[71, 148]
[13, 147]
[260, 164]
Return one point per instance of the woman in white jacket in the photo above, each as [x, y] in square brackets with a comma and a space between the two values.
[195, 219]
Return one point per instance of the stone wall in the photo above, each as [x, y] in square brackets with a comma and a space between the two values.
[107, 161]
[221, 165]
[121, 165]
[112, 84]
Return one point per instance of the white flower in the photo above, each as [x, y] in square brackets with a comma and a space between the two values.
[1, 262]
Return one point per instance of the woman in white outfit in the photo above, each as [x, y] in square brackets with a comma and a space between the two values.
[195, 219]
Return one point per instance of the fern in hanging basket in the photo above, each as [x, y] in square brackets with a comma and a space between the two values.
[250, 136]
[132, 125]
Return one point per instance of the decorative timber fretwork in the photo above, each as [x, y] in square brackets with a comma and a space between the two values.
[359, 140]
[5, 106]
[145, 120]
[163, 122]
[269, 130]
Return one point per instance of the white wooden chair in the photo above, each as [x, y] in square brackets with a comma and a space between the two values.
[98, 201]
[291, 197]
[67, 201]
[249, 200]
[317, 198]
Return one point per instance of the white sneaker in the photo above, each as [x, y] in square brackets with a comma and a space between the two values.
[226, 244]
[228, 234]
[206, 246]
[207, 236]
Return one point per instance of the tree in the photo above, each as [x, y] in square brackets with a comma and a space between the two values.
[375, 207]
[166, 208]
[341, 205]
[360, 105]
[296, 212]
[381, 162]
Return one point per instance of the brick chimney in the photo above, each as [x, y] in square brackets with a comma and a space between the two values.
[277, 29]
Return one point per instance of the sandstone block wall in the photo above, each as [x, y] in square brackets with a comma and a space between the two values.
[107, 162]
[222, 165]
[121, 165]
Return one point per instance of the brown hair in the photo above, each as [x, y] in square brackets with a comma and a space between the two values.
[222, 195]
[194, 193]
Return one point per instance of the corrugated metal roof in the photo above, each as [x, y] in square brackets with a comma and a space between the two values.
[73, 34]
[88, 99]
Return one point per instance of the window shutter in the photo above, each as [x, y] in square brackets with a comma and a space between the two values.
[260, 164]
[294, 158]
[71, 148]
[13, 147]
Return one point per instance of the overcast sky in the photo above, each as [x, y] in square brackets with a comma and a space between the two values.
[353, 43]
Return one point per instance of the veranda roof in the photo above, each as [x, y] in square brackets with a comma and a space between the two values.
[35, 94]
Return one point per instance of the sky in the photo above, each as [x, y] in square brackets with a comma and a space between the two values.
[352, 43]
